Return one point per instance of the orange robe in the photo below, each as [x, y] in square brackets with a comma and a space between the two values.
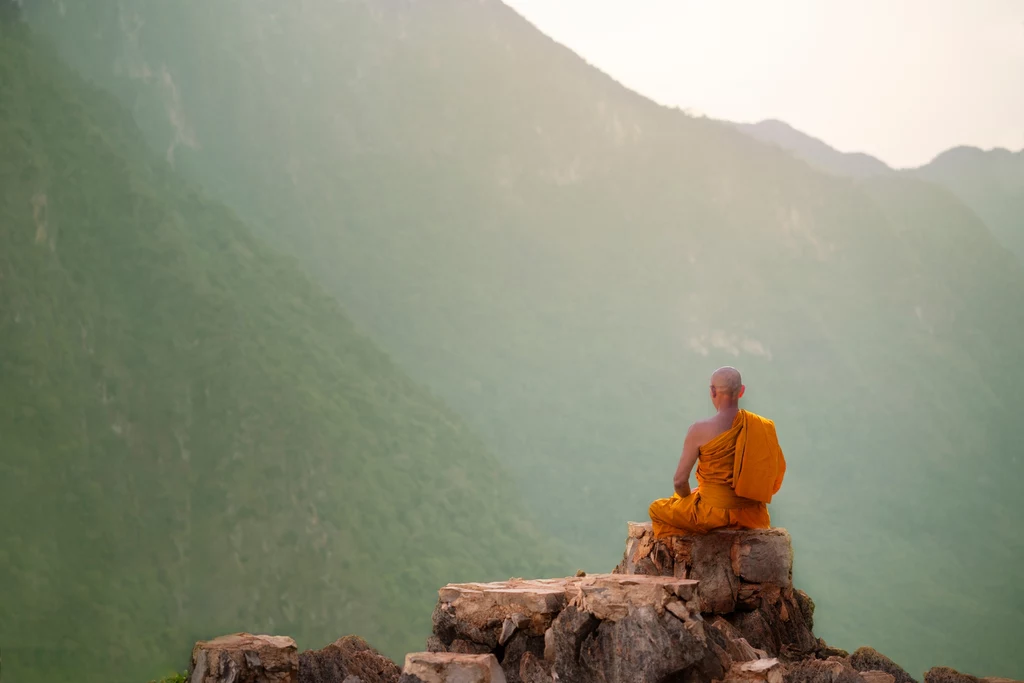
[748, 458]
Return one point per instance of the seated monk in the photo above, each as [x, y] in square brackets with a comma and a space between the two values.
[739, 468]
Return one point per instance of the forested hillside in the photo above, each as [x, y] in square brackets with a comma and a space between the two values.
[194, 440]
[565, 262]
[989, 182]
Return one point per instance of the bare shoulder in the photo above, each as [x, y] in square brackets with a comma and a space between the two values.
[701, 429]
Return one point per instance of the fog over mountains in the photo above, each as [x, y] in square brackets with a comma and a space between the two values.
[989, 182]
[424, 297]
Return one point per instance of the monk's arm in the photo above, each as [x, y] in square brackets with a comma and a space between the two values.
[681, 481]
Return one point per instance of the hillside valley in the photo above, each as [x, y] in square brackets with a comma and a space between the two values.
[564, 263]
[195, 438]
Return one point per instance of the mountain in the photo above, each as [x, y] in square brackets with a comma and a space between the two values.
[990, 182]
[565, 262]
[195, 439]
[815, 152]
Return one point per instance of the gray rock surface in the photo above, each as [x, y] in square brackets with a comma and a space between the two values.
[449, 667]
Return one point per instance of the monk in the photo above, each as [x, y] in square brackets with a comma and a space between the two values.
[740, 467]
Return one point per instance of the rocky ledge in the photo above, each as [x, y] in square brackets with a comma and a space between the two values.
[687, 609]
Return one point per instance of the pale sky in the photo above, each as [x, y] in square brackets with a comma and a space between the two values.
[899, 79]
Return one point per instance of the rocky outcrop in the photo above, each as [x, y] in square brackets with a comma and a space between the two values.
[944, 674]
[245, 658]
[607, 627]
[347, 660]
[870, 659]
[745, 576]
[735, 568]
[719, 607]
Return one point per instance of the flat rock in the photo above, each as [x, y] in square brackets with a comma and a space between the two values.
[481, 612]
[449, 667]
[610, 596]
[245, 658]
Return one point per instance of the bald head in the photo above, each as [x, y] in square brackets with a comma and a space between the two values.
[727, 381]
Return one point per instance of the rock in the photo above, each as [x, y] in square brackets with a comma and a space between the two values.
[466, 647]
[534, 670]
[716, 661]
[245, 658]
[877, 677]
[831, 670]
[564, 639]
[776, 626]
[609, 597]
[641, 647]
[870, 659]
[763, 557]
[760, 670]
[944, 674]
[731, 565]
[736, 645]
[518, 647]
[345, 658]
[447, 667]
[606, 627]
[477, 611]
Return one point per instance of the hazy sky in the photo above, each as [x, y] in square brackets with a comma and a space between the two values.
[899, 79]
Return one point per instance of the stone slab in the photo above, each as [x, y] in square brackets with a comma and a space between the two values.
[449, 667]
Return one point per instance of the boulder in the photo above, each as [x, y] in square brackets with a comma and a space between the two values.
[245, 658]
[831, 670]
[944, 674]
[870, 659]
[488, 613]
[609, 627]
[734, 567]
[769, 670]
[344, 659]
[450, 667]
[877, 677]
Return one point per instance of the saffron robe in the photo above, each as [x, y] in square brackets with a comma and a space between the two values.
[747, 458]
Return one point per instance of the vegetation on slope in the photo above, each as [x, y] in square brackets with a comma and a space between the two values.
[565, 263]
[195, 440]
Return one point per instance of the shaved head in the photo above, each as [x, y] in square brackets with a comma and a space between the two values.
[727, 380]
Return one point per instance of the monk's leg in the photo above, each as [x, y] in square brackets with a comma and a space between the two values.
[673, 516]
[750, 518]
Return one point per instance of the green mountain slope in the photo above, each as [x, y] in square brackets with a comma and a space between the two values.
[990, 182]
[195, 440]
[565, 263]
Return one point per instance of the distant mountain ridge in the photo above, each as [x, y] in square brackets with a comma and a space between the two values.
[815, 152]
[991, 182]
[564, 262]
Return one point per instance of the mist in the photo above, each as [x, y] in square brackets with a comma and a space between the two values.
[308, 309]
